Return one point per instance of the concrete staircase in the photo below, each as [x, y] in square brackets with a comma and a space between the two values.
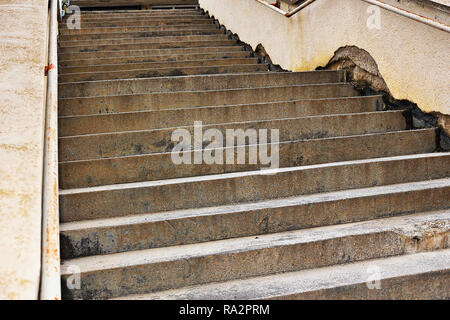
[356, 189]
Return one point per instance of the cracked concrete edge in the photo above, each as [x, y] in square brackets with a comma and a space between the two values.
[363, 73]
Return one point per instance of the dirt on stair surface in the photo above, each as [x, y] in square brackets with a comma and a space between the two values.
[191, 167]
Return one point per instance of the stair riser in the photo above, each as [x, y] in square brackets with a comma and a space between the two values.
[83, 43]
[138, 18]
[153, 65]
[195, 229]
[154, 141]
[160, 72]
[143, 15]
[214, 82]
[129, 54]
[105, 23]
[248, 188]
[165, 100]
[142, 34]
[424, 286]
[229, 266]
[160, 166]
[157, 58]
[147, 120]
[126, 30]
[148, 46]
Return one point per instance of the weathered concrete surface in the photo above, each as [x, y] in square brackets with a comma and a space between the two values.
[172, 267]
[150, 52]
[162, 72]
[154, 196]
[167, 118]
[153, 230]
[148, 46]
[413, 58]
[151, 167]
[108, 3]
[417, 276]
[23, 45]
[133, 57]
[197, 83]
[63, 45]
[153, 65]
[183, 99]
[159, 140]
[142, 21]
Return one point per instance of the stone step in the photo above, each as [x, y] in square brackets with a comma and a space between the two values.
[97, 19]
[84, 43]
[422, 276]
[151, 270]
[120, 3]
[165, 7]
[154, 65]
[197, 83]
[202, 29]
[162, 21]
[147, 46]
[244, 187]
[159, 166]
[166, 118]
[126, 29]
[124, 12]
[166, 100]
[165, 229]
[225, 53]
[126, 143]
[162, 72]
[150, 53]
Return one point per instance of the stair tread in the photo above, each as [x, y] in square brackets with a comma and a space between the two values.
[408, 225]
[221, 106]
[150, 65]
[291, 283]
[134, 185]
[161, 71]
[251, 122]
[265, 204]
[152, 57]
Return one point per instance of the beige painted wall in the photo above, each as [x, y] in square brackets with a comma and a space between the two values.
[23, 28]
[413, 58]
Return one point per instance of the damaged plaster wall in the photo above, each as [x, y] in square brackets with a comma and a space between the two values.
[23, 46]
[363, 73]
[413, 58]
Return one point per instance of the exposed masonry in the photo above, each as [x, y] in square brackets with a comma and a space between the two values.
[363, 74]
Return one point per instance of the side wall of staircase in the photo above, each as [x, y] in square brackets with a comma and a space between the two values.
[23, 47]
[413, 58]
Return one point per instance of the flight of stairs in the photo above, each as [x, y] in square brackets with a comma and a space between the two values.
[357, 194]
